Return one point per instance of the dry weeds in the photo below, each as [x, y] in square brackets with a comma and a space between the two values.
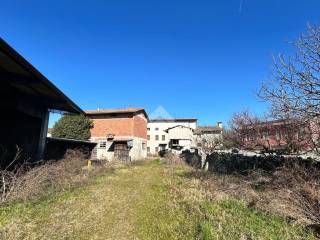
[25, 182]
[291, 191]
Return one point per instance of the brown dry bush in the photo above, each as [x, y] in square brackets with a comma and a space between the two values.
[25, 182]
[173, 159]
[292, 190]
[299, 192]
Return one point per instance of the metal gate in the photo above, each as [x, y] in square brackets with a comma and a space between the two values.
[121, 151]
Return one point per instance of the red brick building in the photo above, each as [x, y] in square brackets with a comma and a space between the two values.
[120, 133]
[279, 134]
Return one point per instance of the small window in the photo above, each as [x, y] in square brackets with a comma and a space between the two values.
[148, 129]
[148, 149]
[157, 129]
[156, 149]
[157, 137]
[175, 142]
[143, 146]
[148, 137]
[163, 137]
[102, 144]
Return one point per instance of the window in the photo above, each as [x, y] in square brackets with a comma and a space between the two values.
[148, 137]
[143, 145]
[175, 142]
[163, 137]
[157, 137]
[162, 147]
[157, 129]
[148, 149]
[148, 129]
[156, 149]
[102, 144]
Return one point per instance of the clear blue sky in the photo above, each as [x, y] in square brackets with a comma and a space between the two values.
[202, 59]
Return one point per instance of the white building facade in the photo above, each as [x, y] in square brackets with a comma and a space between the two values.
[173, 134]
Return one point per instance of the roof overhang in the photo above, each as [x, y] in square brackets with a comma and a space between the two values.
[18, 74]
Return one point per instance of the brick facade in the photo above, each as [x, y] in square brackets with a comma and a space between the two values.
[119, 123]
[140, 126]
[125, 127]
[116, 126]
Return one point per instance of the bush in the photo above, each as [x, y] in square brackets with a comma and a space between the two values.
[289, 187]
[172, 159]
[27, 183]
[191, 158]
[73, 126]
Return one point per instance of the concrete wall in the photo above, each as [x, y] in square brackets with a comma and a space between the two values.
[138, 150]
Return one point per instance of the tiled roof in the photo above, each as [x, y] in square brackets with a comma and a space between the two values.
[116, 111]
[112, 111]
[207, 129]
[167, 130]
[174, 120]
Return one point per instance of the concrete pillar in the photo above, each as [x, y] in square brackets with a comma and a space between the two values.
[43, 134]
[203, 158]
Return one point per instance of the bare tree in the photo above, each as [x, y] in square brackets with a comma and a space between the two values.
[294, 89]
[244, 130]
[295, 86]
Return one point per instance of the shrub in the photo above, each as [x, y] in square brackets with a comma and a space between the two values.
[73, 126]
[172, 159]
[27, 183]
[191, 158]
[289, 187]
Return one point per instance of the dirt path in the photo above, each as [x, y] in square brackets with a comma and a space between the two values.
[112, 208]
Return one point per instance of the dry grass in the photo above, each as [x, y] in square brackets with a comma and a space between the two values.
[26, 183]
[291, 192]
[142, 201]
[173, 159]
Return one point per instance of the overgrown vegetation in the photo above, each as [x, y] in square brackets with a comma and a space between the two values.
[144, 201]
[289, 187]
[73, 126]
[27, 182]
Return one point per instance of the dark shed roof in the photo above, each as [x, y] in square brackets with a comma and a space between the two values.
[19, 74]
